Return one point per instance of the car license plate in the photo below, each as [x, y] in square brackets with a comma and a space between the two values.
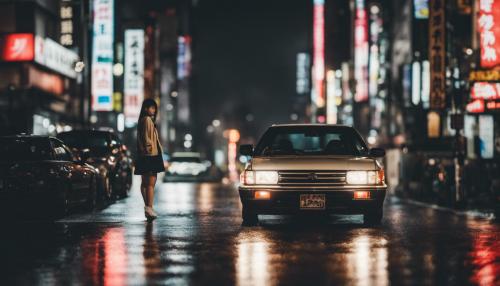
[312, 202]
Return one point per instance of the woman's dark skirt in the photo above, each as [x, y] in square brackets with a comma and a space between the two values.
[149, 164]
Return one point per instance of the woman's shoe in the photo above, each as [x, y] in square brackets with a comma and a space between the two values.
[150, 213]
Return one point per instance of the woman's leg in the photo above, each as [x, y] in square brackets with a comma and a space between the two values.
[150, 192]
[144, 187]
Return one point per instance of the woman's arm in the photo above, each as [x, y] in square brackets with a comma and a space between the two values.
[147, 135]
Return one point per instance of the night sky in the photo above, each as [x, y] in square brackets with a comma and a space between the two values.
[244, 58]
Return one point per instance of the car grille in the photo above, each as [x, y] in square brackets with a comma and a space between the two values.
[320, 178]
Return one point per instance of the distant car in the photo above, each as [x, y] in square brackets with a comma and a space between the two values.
[312, 168]
[108, 154]
[187, 166]
[40, 173]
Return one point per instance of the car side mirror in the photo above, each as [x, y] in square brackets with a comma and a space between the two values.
[377, 152]
[246, 150]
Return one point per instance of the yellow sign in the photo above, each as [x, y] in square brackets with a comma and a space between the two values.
[485, 75]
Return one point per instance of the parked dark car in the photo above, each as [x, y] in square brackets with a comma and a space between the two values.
[40, 174]
[109, 155]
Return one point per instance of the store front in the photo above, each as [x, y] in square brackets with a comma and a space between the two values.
[39, 91]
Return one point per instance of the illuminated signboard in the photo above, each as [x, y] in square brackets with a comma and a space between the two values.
[486, 135]
[134, 74]
[437, 54]
[488, 23]
[476, 106]
[18, 47]
[318, 96]
[303, 77]
[56, 57]
[421, 9]
[184, 57]
[485, 90]
[66, 27]
[484, 75]
[102, 55]
[361, 52]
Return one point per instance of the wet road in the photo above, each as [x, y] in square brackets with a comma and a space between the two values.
[199, 240]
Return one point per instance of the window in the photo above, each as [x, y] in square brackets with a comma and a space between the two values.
[61, 153]
[311, 140]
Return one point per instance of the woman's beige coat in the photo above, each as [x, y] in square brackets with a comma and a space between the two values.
[148, 142]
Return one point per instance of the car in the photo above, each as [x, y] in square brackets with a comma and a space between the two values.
[109, 155]
[312, 168]
[42, 175]
[187, 166]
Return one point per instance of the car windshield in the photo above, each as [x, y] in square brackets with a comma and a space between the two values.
[311, 140]
[186, 159]
[82, 140]
[24, 149]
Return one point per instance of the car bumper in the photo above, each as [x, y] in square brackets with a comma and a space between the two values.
[288, 201]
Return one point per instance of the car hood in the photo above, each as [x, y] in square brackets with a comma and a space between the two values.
[330, 163]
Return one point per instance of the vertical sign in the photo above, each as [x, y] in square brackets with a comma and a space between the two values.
[486, 135]
[437, 53]
[303, 64]
[184, 57]
[133, 87]
[318, 96]
[489, 30]
[361, 52]
[102, 56]
[66, 13]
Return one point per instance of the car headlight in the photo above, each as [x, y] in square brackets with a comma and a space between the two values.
[259, 177]
[365, 177]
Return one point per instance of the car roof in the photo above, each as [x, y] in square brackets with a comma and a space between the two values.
[186, 154]
[309, 125]
[28, 136]
[86, 131]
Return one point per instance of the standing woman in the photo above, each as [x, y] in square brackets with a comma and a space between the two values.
[149, 161]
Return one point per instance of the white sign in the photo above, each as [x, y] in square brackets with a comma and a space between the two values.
[56, 57]
[486, 136]
[134, 74]
[102, 55]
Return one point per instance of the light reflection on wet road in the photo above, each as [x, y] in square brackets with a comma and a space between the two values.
[199, 240]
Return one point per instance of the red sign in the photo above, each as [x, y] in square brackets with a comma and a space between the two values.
[477, 106]
[361, 53]
[18, 47]
[488, 23]
[319, 53]
[485, 90]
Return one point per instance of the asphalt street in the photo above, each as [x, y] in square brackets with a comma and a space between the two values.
[198, 239]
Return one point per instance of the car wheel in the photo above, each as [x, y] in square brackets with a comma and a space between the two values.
[373, 217]
[249, 218]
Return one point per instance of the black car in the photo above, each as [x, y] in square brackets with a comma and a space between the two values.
[40, 174]
[108, 154]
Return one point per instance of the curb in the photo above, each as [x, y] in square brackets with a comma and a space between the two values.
[475, 214]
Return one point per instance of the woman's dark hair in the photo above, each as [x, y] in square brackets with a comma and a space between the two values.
[147, 103]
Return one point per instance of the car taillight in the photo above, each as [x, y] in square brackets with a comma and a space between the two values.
[380, 177]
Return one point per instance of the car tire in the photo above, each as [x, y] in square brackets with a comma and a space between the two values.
[249, 218]
[373, 217]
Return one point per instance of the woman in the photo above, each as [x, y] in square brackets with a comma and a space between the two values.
[149, 161]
